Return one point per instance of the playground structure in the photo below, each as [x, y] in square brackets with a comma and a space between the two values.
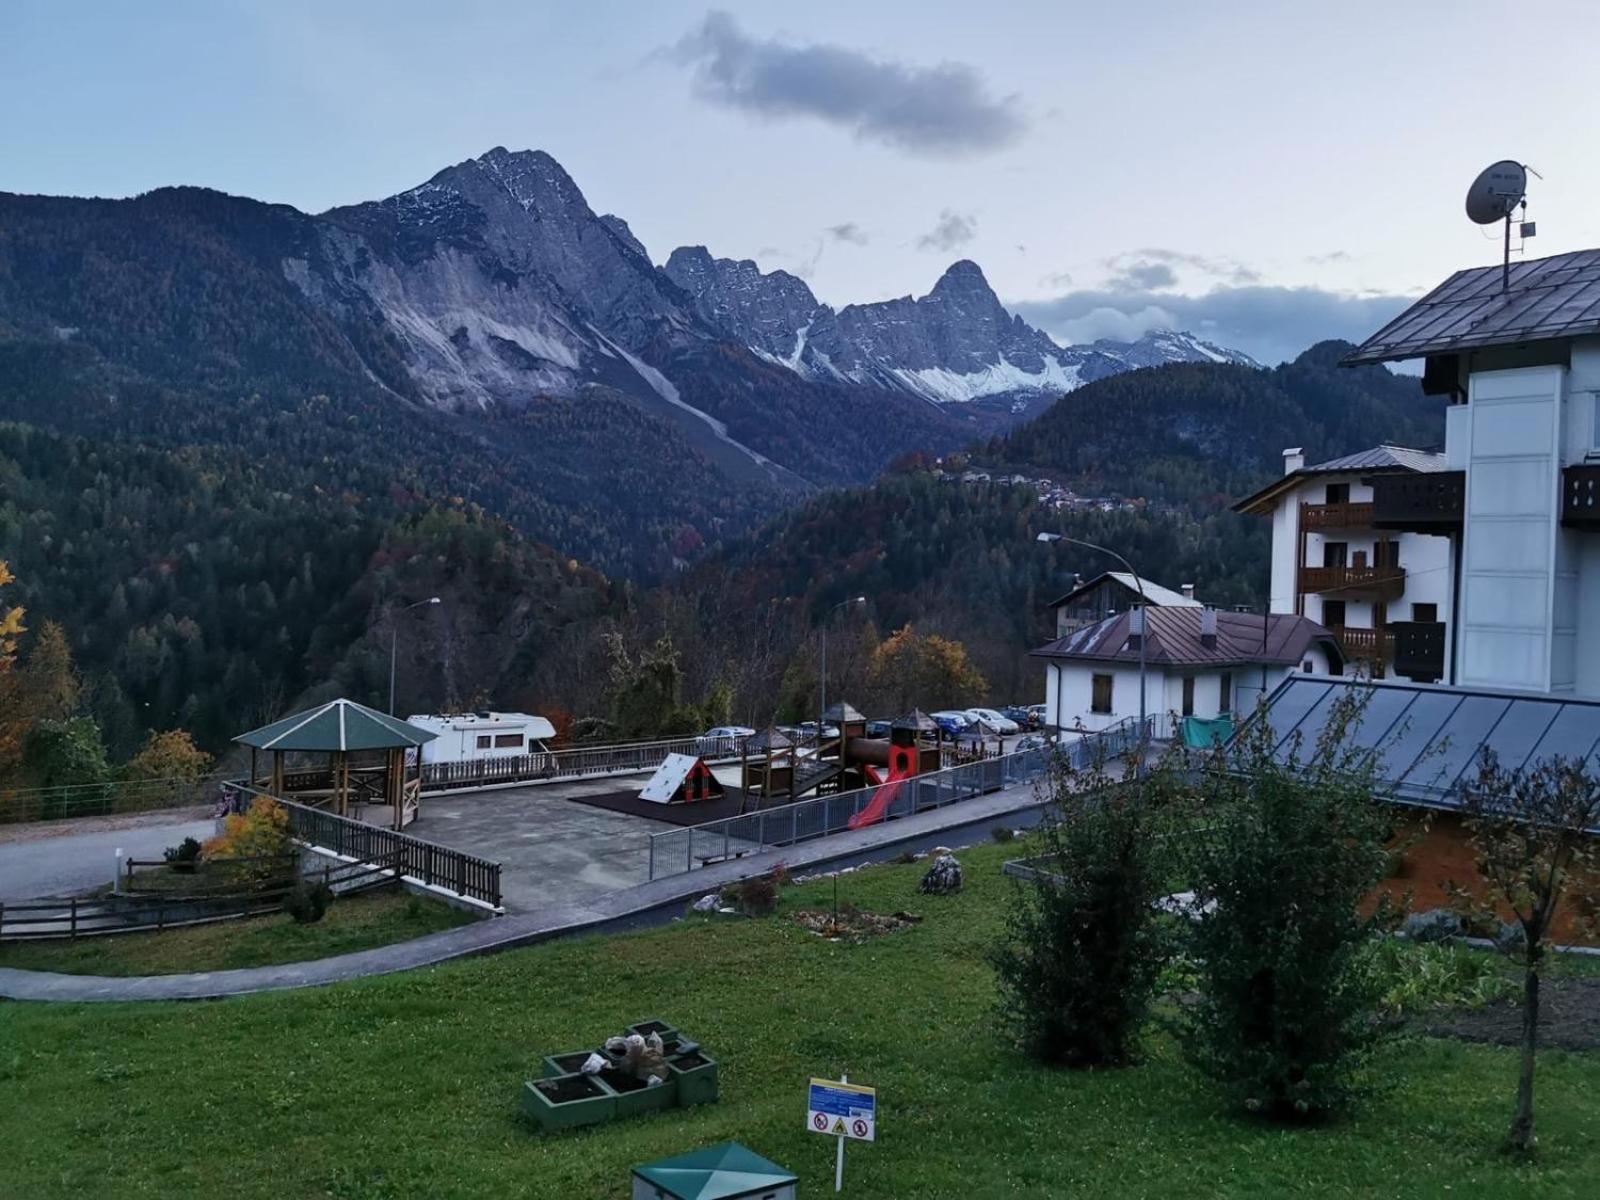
[682, 779]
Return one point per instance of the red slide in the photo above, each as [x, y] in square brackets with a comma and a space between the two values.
[900, 769]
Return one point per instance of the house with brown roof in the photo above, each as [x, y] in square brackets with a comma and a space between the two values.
[1198, 662]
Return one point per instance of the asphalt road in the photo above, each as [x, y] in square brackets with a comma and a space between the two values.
[38, 868]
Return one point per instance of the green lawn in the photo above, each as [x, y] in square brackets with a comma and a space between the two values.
[408, 1086]
[355, 923]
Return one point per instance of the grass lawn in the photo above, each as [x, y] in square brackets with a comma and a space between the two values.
[356, 923]
[408, 1086]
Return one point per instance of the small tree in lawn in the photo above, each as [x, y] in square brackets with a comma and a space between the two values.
[1083, 945]
[1285, 851]
[1532, 831]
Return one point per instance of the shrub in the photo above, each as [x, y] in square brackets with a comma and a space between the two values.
[1288, 849]
[1083, 943]
[757, 895]
[1415, 977]
[184, 856]
[308, 901]
[1003, 834]
[255, 842]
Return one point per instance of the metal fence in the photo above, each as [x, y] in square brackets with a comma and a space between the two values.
[578, 762]
[677, 851]
[427, 862]
[99, 799]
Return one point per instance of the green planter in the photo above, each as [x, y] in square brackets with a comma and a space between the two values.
[567, 1101]
[696, 1079]
[634, 1096]
[646, 1028]
[568, 1062]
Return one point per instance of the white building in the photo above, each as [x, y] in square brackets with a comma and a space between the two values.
[1114, 592]
[1336, 561]
[1519, 499]
[471, 737]
[1198, 662]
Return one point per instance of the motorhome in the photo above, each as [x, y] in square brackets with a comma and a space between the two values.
[473, 737]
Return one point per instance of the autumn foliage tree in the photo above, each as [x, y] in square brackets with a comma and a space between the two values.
[255, 841]
[925, 670]
[169, 755]
[11, 626]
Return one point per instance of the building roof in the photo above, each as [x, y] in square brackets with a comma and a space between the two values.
[1174, 640]
[1380, 460]
[715, 1173]
[1430, 739]
[335, 726]
[1154, 593]
[1557, 297]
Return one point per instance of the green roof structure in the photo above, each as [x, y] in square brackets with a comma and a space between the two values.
[723, 1172]
[339, 725]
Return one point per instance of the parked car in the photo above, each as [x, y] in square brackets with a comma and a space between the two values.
[723, 738]
[994, 719]
[879, 729]
[1022, 715]
[1038, 711]
[808, 731]
[951, 721]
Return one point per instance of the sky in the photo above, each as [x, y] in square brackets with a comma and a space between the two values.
[1265, 174]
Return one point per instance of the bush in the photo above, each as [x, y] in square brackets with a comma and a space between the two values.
[1415, 977]
[255, 844]
[308, 901]
[184, 856]
[1084, 943]
[1003, 834]
[1286, 854]
[758, 895]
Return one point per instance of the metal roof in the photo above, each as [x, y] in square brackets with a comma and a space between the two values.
[916, 720]
[716, 1173]
[1557, 297]
[1173, 639]
[843, 712]
[770, 738]
[1377, 461]
[1430, 739]
[335, 726]
[1154, 593]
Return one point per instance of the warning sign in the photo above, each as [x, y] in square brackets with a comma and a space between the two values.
[845, 1110]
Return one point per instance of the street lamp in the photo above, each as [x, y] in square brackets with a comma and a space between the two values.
[1140, 614]
[394, 643]
[822, 716]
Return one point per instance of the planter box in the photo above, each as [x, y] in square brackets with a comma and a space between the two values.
[696, 1078]
[568, 1062]
[567, 1101]
[634, 1096]
[646, 1028]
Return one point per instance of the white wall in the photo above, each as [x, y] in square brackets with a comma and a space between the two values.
[1073, 685]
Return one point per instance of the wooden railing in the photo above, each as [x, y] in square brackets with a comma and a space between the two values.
[1427, 502]
[1386, 582]
[1580, 497]
[1351, 515]
[578, 762]
[1376, 644]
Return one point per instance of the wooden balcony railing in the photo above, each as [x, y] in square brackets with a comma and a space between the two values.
[1427, 502]
[1336, 516]
[1370, 644]
[1580, 497]
[1386, 583]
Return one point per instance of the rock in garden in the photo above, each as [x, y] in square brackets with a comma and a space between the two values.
[1435, 925]
[707, 903]
[944, 877]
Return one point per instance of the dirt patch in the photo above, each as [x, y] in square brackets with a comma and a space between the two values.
[1569, 1018]
[569, 1088]
[852, 924]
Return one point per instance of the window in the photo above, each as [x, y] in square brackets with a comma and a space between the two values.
[1188, 695]
[508, 741]
[1386, 554]
[1333, 612]
[1338, 493]
[1425, 612]
[1225, 694]
[1306, 668]
[484, 741]
[1100, 699]
[1335, 554]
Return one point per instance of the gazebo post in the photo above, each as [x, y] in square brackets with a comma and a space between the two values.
[277, 773]
[254, 779]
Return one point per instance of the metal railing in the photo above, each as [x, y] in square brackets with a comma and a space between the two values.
[677, 851]
[99, 799]
[429, 863]
[578, 762]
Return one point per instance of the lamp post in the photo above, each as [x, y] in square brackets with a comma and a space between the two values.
[1143, 607]
[394, 643]
[822, 715]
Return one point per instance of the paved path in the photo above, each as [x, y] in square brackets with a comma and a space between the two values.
[62, 858]
[966, 821]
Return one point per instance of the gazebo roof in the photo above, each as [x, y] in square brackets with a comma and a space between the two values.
[843, 711]
[770, 738]
[916, 720]
[335, 726]
[978, 730]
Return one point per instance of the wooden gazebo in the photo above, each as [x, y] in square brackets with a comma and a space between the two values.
[371, 772]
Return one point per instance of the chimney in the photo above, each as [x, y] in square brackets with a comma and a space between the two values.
[1188, 591]
[1136, 627]
[1208, 628]
[1293, 459]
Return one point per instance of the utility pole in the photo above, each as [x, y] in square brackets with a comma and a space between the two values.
[394, 643]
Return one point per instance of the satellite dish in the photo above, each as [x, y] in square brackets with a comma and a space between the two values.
[1496, 191]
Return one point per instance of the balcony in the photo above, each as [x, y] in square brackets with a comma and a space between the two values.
[1381, 583]
[1427, 502]
[1365, 645]
[1336, 516]
[1418, 650]
[1580, 497]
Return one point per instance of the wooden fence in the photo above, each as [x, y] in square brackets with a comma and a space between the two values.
[578, 762]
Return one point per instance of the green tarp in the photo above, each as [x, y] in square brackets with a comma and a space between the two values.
[1199, 733]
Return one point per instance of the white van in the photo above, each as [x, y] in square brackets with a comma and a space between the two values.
[473, 737]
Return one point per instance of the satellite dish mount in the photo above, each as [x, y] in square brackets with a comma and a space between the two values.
[1498, 191]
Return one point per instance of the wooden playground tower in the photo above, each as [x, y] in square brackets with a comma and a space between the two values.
[772, 768]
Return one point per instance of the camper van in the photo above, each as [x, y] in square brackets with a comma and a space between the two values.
[473, 737]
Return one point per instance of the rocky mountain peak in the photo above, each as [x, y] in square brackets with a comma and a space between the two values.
[964, 278]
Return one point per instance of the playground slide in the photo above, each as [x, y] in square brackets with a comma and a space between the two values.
[881, 799]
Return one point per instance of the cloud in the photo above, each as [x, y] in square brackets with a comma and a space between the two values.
[850, 232]
[953, 230]
[1271, 324]
[1129, 267]
[944, 110]
[1142, 276]
[1332, 256]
